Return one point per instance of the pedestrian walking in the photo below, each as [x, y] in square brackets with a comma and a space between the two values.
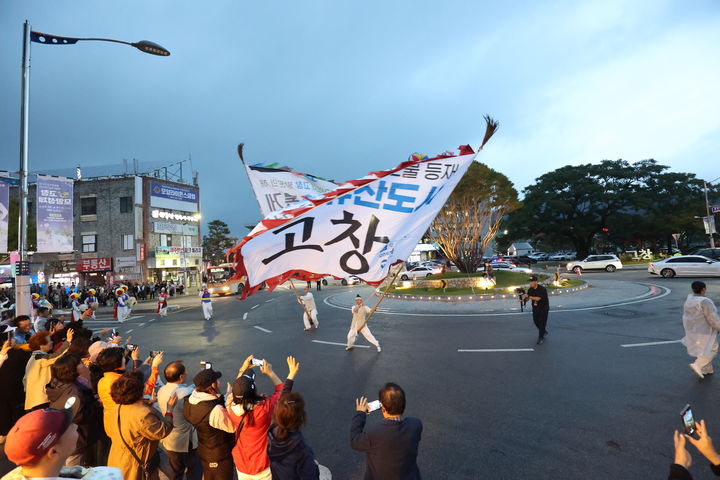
[318, 285]
[702, 324]
[206, 302]
[360, 315]
[538, 295]
[308, 302]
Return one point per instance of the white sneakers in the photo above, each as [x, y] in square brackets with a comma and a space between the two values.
[697, 371]
[379, 349]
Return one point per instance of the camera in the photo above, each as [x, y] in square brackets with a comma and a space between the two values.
[521, 296]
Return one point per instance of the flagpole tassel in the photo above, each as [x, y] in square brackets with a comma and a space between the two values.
[490, 129]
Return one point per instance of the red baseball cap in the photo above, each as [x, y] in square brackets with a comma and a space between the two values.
[36, 433]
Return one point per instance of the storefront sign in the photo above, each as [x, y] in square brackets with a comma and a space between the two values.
[54, 214]
[174, 216]
[141, 252]
[122, 262]
[175, 228]
[94, 265]
[178, 251]
[173, 197]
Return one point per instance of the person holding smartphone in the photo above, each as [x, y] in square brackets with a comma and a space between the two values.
[683, 460]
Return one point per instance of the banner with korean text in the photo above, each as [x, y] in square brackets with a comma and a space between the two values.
[361, 228]
[54, 214]
[278, 188]
[4, 214]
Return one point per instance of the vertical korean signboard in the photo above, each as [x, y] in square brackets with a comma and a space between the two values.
[54, 214]
[4, 214]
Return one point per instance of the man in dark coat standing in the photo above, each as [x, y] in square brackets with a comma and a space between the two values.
[391, 448]
[538, 295]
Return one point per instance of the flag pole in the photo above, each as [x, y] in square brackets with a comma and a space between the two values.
[245, 167]
[301, 303]
[382, 297]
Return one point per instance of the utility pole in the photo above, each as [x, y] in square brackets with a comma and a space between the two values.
[709, 223]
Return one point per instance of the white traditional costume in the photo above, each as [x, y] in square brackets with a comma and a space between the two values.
[162, 303]
[76, 313]
[308, 303]
[123, 306]
[359, 326]
[702, 324]
[206, 302]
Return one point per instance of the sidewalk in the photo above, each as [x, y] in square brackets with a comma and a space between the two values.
[600, 293]
[149, 306]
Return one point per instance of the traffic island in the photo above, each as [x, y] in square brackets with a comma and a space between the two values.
[460, 287]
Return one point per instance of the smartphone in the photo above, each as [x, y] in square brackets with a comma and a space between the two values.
[131, 346]
[688, 421]
[206, 365]
[372, 406]
[154, 353]
[258, 362]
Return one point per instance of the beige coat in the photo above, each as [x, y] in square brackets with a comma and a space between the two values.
[37, 375]
[142, 427]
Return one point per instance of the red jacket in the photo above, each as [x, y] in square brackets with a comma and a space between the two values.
[250, 451]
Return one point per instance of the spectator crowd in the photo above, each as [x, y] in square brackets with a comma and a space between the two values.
[81, 404]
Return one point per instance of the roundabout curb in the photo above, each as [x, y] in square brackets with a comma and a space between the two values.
[472, 298]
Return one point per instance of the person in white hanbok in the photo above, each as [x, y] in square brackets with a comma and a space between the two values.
[702, 325]
[360, 314]
[308, 302]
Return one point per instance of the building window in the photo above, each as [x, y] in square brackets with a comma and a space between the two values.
[165, 240]
[186, 241]
[127, 242]
[88, 206]
[174, 262]
[89, 243]
[125, 204]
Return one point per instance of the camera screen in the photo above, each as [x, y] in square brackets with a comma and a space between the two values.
[688, 421]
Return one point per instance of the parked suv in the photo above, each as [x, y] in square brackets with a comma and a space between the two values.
[609, 263]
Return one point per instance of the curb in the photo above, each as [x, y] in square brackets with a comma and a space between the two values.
[473, 298]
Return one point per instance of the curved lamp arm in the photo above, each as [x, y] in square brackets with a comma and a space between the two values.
[143, 45]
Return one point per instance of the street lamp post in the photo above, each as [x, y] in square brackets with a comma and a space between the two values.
[22, 277]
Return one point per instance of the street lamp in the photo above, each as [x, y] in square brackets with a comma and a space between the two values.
[22, 277]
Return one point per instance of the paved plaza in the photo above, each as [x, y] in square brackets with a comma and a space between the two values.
[599, 399]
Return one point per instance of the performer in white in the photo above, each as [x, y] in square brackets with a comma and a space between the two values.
[76, 312]
[308, 302]
[360, 313]
[702, 324]
[123, 306]
[92, 302]
[206, 302]
[162, 303]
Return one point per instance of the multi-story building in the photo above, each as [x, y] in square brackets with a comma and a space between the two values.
[128, 229]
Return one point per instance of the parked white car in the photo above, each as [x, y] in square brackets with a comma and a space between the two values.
[351, 280]
[539, 256]
[609, 263]
[685, 266]
[507, 266]
[419, 272]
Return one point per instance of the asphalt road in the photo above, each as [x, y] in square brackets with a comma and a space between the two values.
[580, 406]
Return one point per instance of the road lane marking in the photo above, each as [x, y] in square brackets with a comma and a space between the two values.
[253, 308]
[263, 329]
[141, 325]
[267, 301]
[490, 350]
[646, 297]
[341, 344]
[245, 316]
[129, 331]
[152, 319]
[648, 344]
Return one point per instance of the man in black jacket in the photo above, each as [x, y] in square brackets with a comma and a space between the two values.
[541, 307]
[391, 448]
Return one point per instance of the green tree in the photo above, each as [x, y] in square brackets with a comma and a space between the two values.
[471, 217]
[216, 242]
[574, 203]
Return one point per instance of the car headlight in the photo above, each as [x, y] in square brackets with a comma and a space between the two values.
[211, 290]
[227, 289]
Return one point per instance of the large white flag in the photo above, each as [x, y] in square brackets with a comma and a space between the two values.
[361, 228]
[278, 188]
